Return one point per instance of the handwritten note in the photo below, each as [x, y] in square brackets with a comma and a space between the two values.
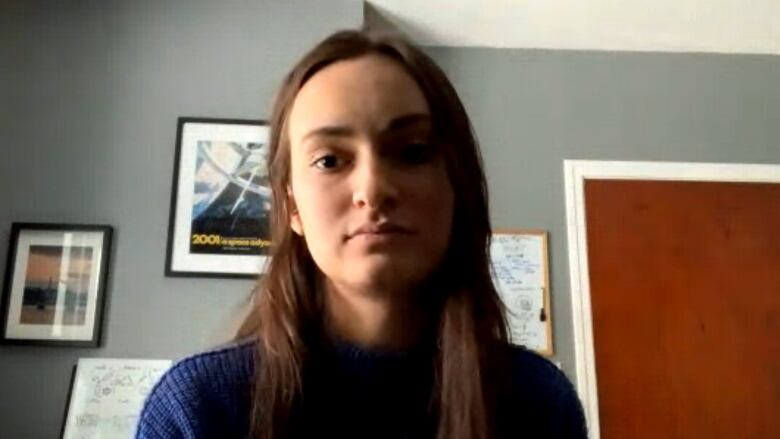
[520, 275]
[108, 395]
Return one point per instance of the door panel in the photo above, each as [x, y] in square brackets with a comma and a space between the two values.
[685, 300]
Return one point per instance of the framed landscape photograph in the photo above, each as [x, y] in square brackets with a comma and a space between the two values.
[221, 199]
[55, 282]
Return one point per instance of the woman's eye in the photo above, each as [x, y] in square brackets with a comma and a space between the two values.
[327, 162]
[417, 153]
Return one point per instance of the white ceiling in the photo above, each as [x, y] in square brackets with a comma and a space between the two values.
[729, 26]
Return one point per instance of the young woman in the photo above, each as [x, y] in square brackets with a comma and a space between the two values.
[377, 317]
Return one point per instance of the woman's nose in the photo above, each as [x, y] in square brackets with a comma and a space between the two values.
[374, 184]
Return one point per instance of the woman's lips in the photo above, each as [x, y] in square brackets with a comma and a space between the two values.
[378, 232]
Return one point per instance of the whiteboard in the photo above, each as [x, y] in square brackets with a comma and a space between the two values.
[520, 274]
[107, 396]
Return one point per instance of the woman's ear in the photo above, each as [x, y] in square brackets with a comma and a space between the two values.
[294, 216]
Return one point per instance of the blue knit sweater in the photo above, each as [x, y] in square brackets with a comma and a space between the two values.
[354, 394]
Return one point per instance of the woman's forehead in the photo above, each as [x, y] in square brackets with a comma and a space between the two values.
[368, 92]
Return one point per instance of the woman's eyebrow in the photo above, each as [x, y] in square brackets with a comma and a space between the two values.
[400, 122]
[330, 131]
[407, 120]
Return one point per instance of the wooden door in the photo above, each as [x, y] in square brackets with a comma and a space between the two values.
[685, 307]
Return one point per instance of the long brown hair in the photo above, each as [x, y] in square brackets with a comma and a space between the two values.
[470, 329]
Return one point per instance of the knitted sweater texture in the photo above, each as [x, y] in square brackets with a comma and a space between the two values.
[352, 393]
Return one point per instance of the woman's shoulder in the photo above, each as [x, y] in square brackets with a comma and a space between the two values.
[227, 366]
[532, 367]
[222, 365]
[536, 376]
[540, 389]
[198, 391]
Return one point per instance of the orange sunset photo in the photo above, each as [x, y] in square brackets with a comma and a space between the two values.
[53, 280]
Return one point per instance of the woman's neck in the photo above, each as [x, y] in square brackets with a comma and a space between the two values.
[370, 319]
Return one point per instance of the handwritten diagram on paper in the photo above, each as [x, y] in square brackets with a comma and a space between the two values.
[108, 395]
[520, 274]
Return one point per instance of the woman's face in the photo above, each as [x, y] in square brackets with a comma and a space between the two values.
[369, 191]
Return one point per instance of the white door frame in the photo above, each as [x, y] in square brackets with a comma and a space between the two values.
[575, 174]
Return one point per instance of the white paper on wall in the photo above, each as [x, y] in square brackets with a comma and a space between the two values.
[519, 273]
[108, 395]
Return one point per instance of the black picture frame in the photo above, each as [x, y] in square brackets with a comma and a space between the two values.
[220, 199]
[66, 413]
[76, 259]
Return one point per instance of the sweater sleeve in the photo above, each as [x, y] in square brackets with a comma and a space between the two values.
[546, 398]
[571, 417]
[205, 395]
[169, 411]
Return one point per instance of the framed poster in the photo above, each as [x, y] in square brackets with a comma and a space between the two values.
[55, 282]
[221, 199]
[107, 396]
[521, 275]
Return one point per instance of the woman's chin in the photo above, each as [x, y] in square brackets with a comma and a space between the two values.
[385, 275]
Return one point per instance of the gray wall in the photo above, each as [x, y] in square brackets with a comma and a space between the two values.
[90, 93]
[531, 109]
[89, 96]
